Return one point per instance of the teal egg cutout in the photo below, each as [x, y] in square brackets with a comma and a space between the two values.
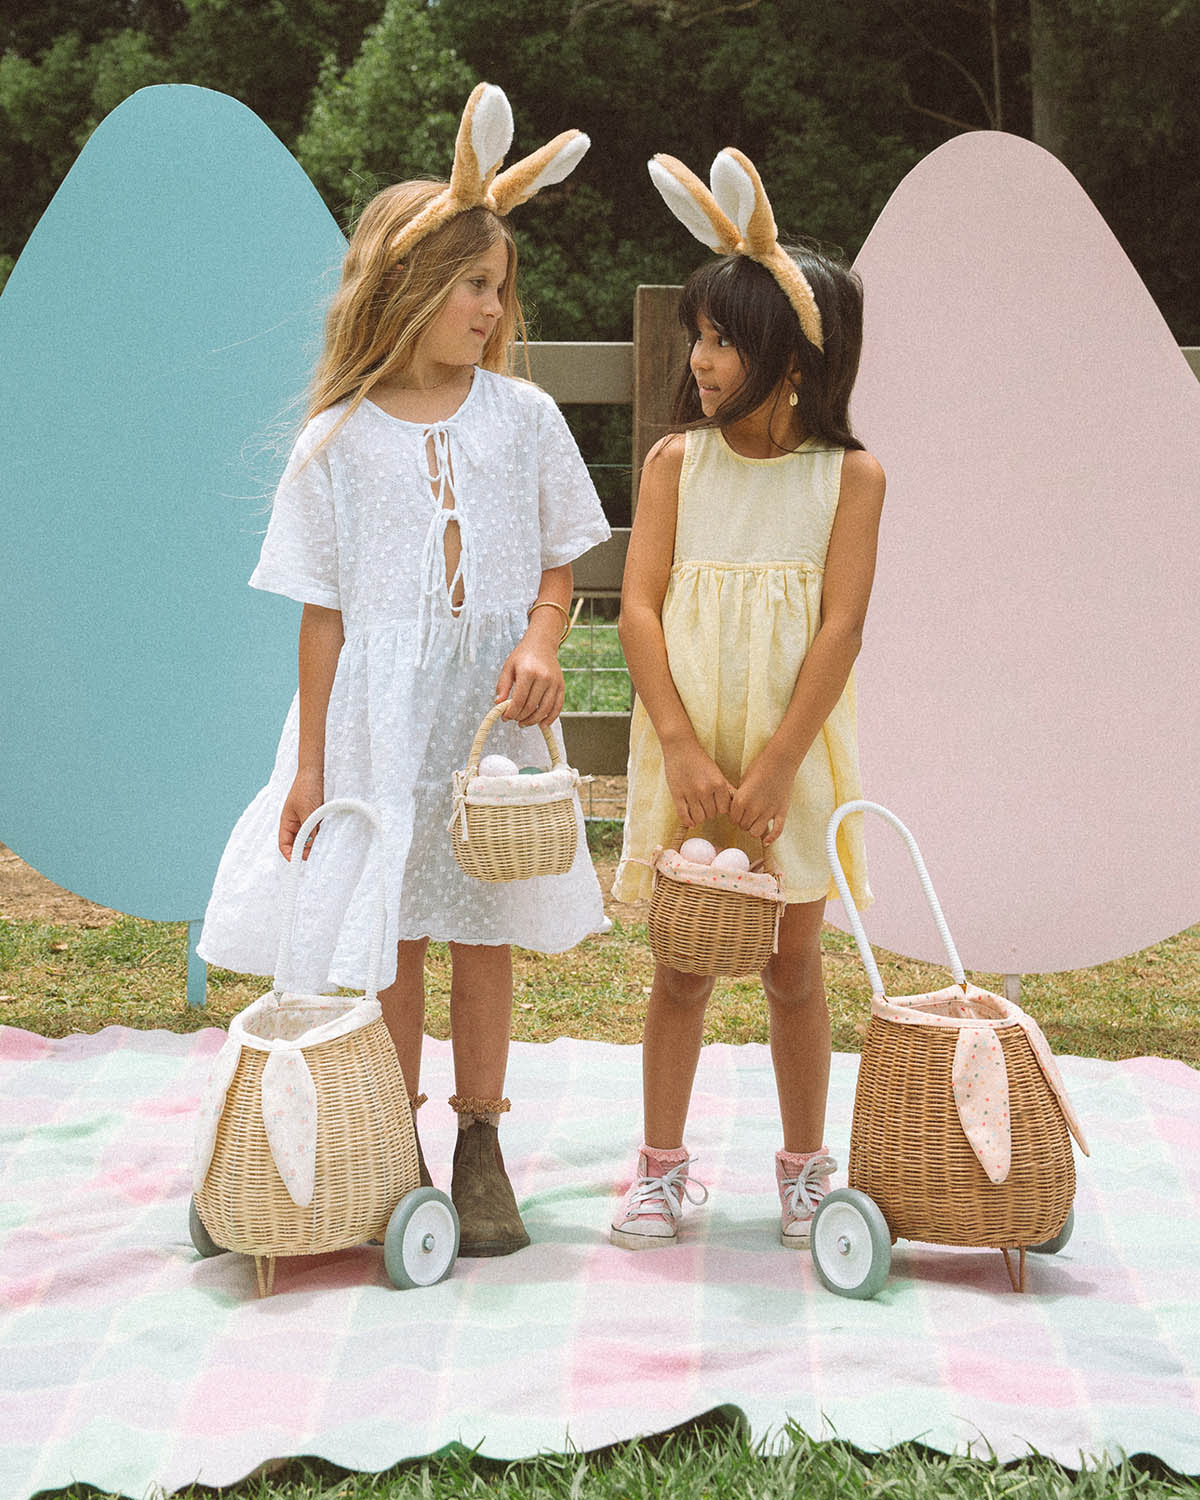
[156, 338]
[531, 771]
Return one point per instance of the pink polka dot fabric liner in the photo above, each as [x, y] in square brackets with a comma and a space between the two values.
[748, 882]
[978, 1074]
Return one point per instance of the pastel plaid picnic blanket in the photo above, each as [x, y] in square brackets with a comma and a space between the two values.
[130, 1363]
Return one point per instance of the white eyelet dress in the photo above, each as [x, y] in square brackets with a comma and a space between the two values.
[361, 527]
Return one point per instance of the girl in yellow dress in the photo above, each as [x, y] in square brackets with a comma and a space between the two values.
[749, 569]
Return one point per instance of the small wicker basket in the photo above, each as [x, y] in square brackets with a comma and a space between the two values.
[704, 929]
[365, 1158]
[909, 1147]
[503, 839]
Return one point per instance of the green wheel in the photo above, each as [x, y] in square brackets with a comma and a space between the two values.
[421, 1242]
[203, 1241]
[1053, 1245]
[851, 1244]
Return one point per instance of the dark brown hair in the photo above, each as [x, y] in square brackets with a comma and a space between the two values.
[744, 302]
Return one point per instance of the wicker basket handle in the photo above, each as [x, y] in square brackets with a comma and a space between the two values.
[476, 752]
[856, 926]
[291, 890]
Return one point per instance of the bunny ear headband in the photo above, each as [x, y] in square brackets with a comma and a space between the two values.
[484, 136]
[735, 218]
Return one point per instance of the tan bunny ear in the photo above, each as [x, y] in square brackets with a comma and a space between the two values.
[484, 135]
[555, 161]
[692, 204]
[738, 189]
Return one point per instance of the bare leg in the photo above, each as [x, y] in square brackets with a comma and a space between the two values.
[403, 1005]
[670, 1051]
[481, 997]
[800, 1044]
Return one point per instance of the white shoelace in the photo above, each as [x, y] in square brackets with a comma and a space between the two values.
[802, 1189]
[665, 1194]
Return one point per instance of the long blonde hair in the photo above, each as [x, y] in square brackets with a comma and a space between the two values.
[382, 306]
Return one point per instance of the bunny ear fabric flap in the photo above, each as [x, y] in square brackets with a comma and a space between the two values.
[555, 161]
[693, 205]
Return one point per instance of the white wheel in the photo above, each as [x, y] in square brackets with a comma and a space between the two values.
[1053, 1245]
[203, 1241]
[421, 1242]
[851, 1244]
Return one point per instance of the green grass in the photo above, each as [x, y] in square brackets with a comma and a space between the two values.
[593, 663]
[713, 1458]
[55, 979]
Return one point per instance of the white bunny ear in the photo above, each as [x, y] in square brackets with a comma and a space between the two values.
[738, 188]
[484, 135]
[555, 161]
[692, 203]
[732, 188]
[491, 129]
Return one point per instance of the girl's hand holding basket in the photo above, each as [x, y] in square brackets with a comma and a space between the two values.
[531, 679]
[306, 795]
[696, 783]
[531, 684]
[760, 804]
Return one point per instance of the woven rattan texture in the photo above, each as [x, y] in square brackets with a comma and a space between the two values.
[366, 1153]
[517, 841]
[909, 1152]
[702, 930]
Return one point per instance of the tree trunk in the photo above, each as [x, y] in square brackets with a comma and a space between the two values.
[1047, 124]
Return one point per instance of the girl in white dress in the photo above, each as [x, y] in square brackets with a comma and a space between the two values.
[427, 520]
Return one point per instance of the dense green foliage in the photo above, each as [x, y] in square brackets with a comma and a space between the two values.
[834, 99]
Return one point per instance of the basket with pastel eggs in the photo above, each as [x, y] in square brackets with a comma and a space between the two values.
[711, 911]
[513, 822]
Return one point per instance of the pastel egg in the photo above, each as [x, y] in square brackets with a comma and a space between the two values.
[731, 859]
[497, 765]
[533, 770]
[699, 851]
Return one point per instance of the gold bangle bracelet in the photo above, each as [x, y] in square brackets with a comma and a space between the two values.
[551, 604]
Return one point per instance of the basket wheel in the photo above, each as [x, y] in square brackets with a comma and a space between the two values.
[421, 1241]
[851, 1244]
[203, 1241]
[1056, 1242]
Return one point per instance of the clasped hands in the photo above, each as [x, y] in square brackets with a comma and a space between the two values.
[700, 791]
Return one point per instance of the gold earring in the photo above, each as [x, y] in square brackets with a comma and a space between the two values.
[793, 399]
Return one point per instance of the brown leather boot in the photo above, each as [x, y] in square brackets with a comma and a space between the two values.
[489, 1220]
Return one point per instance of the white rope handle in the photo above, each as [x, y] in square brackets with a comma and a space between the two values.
[291, 890]
[856, 926]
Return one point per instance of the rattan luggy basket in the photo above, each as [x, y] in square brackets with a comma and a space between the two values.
[306, 1142]
[729, 929]
[514, 828]
[961, 1128]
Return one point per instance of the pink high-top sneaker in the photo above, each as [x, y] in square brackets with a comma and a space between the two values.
[803, 1180]
[649, 1216]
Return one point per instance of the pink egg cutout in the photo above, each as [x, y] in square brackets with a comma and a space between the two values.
[1026, 686]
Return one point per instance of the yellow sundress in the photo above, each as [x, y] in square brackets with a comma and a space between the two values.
[742, 606]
